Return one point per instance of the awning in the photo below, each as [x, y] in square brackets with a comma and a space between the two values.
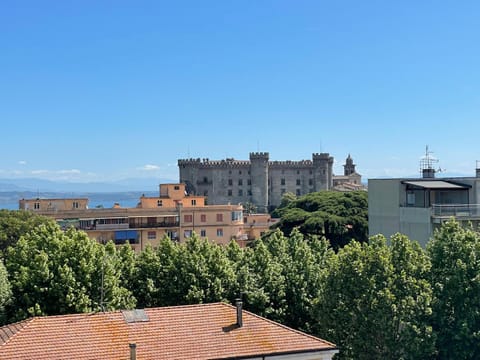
[436, 185]
[126, 235]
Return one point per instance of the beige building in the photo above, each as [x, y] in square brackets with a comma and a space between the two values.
[417, 206]
[172, 213]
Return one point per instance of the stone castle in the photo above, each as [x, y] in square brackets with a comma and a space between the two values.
[260, 181]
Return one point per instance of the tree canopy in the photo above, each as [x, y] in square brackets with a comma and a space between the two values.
[338, 216]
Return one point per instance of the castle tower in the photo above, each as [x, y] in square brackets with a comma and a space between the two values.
[188, 171]
[349, 167]
[323, 171]
[259, 178]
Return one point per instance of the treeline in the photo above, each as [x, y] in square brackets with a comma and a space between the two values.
[381, 299]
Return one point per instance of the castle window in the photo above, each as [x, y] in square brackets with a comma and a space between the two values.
[240, 192]
[230, 182]
[298, 182]
[229, 192]
[240, 172]
[205, 179]
[248, 172]
[249, 181]
[240, 182]
[298, 192]
[249, 192]
[298, 172]
[230, 172]
[311, 172]
[282, 181]
[159, 203]
[323, 171]
[310, 182]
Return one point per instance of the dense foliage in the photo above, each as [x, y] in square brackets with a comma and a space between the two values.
[338, 216]
[376, 299]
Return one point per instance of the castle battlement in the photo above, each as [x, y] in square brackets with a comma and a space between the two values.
[291, 164]
[259, 155]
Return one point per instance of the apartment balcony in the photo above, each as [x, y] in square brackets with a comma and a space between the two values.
[459, 211]
[152, 225]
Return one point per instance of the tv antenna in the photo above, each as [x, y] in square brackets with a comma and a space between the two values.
[427, 164]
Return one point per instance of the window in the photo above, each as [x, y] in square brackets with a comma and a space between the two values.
[219, 217]
[75, 205]
[282, 181]
[229, 172]
[298, 182]
[240, 182]
[240, 192]
[249, 192]
[240, 172]
[230, 182]
[203, 218]
[36, 205]
[237, 215]
[159, 203]
[205, 179]
[176, 187]
[229, 192]
[298, 172]
[152, 235]
[188, 218]
[310, 182]
[194, 202]
[311, 172]
[298, 192]
[219, 232]
[249, 182]
[187, 233]
[203, 233]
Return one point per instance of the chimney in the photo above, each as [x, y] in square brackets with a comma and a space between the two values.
[238, 304]
[133, 351]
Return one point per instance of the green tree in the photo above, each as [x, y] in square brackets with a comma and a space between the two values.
[337, 216]
[15, 223]
[55, 272]
[455, 278]
[376, 301]
[303, 272]
[5, 292]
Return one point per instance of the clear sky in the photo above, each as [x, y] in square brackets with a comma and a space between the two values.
[104, 90]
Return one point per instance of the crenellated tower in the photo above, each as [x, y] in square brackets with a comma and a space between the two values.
[259, 180]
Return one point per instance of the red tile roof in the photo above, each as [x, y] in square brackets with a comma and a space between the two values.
[204, 331]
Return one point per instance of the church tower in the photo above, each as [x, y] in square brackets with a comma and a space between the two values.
[349, 167]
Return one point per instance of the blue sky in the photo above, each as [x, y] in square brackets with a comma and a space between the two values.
[104, 90]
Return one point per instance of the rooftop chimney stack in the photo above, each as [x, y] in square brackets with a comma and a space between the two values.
[133, 351]
[239, 305]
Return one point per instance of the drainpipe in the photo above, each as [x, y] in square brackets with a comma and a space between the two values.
[133, 351]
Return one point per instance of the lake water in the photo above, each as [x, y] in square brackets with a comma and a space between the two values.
[9, 200]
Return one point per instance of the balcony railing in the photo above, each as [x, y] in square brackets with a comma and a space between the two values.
[458, 210]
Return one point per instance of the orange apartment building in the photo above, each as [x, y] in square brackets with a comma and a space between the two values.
[172, 213]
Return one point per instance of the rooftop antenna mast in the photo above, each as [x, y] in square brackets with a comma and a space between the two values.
[426, 165]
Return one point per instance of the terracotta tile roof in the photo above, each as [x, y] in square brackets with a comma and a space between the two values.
[204, 331]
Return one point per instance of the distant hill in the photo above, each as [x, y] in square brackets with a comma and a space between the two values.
[41, 185]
